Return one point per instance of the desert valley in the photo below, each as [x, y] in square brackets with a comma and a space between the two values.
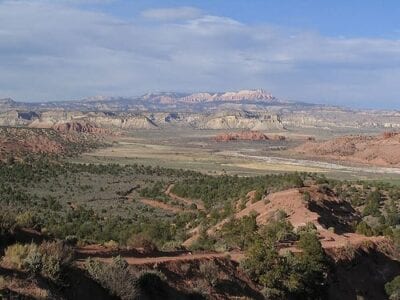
[231, 195]
[216, 150]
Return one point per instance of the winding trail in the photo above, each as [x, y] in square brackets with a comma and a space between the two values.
[161, 205]
[169, 193]
[179, 258]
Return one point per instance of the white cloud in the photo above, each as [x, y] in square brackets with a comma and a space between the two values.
[58, 51]
[172, 14]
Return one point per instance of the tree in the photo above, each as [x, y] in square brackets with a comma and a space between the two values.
[301, 276]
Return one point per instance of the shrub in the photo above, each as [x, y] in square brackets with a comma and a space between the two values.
[49, 258]
[114, 277]
[111, 244]
[392, 288]
[56, 256]
[26, 219]
[278, 231]
[209, 270]
[238, 233]
[7, 222]
[185, 268]
[301, 276]
[140, 241]
[33, 262]
[307, 196]
[364, 228]
[374, 200]
[3, 283]
[15, 255]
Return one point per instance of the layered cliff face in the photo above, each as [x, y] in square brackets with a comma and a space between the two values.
[242, 121]
[244, 109]
[336, 117]
[79, 127]
[131, 121]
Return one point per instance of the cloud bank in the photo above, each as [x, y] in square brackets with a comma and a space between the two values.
[58, 51]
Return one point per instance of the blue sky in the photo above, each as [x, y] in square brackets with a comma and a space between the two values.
[337, 52]
[355, 18]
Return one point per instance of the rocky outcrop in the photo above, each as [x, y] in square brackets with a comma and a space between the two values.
[246, 136]
[382, 150]
[241, 120]
[241, 136]
[123, 121]
[80, 127]
[20, 142]
[16, 118]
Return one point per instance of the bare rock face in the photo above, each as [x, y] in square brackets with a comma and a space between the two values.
[123, 121]
[259, 95]
[243, 95]
[241, 120]
[15, 118]
[244, 135]
[80, 127]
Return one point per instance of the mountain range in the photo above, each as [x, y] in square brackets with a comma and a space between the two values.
[152, 101]
[244, 109]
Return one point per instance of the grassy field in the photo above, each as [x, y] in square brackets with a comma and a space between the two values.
[196, 150]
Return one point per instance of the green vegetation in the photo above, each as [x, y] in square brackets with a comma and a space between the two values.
[114, 277]
[49, 258]
[86, 203]
[213, 190]
[99, 203]
[301, 276]
[123, 282]
[392, 288]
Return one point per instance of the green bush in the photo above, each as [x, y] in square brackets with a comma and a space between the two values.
[49, 259]
[16, 255]
[7, 223]
[392, 288]
[209, 271]
[364, 228]
[300, 276]
[26, 219]
[307, 196]
[114, 277]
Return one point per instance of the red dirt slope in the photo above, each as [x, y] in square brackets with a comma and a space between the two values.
[381, 150]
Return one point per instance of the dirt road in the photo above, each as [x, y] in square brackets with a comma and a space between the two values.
[185, 257]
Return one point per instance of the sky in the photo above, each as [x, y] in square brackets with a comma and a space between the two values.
[335, 52]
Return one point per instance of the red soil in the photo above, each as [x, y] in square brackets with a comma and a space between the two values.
[161, 205]
[80, 127]
[246, 136]
[381, 150]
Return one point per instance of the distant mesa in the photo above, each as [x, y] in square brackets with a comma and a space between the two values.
[249, 135]
[258, 95]
[243, 95]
